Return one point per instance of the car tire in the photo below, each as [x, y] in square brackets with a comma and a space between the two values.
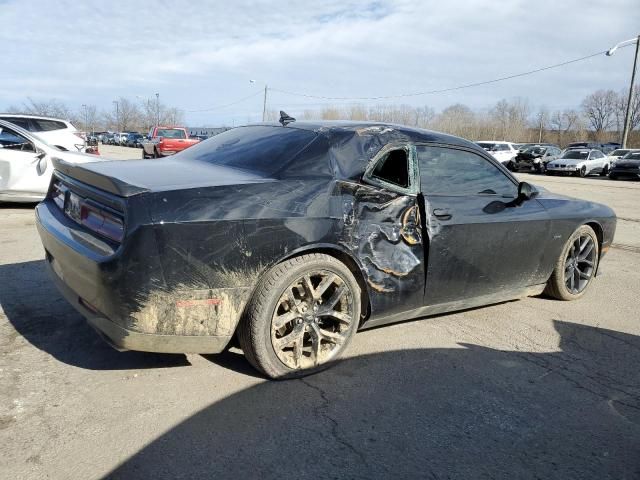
[308, 321]
[583, 171]
[577, 261]
[605, 171]
[612, 176]
[156, 154]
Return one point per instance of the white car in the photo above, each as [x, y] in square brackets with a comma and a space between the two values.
[504, 152]
[26, 164]
[55, 131]
[580, 161]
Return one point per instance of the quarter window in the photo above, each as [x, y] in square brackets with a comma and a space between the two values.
[447, 171]
[393, 168]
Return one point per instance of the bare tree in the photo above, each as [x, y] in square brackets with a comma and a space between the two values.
[599, 109]
[45, 108]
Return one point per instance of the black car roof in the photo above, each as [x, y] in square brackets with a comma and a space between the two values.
[329, 127]
[352, 144]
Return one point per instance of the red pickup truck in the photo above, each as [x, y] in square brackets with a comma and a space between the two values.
[163, 141]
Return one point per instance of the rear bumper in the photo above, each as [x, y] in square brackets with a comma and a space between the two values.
[126, 339]
[98, 288]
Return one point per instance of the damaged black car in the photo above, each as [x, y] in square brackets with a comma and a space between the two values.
[289, 238]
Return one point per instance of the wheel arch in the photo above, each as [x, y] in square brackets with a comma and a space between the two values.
[595, 225]
[345, 257]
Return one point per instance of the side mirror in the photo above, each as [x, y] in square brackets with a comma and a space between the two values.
[526, 191]
[41, 166]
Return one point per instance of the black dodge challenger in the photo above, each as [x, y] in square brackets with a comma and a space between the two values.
[291, 238]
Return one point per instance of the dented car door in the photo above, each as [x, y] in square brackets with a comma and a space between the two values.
[383, 230]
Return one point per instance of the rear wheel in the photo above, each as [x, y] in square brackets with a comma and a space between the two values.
[605, 171]
[156, 154]
[576, 266]
[301, 318]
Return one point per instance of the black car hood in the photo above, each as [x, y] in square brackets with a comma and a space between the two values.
[132, 177]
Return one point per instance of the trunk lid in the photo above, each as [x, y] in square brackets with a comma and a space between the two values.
[126, 178]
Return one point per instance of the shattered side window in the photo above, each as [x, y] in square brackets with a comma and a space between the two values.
[448, 171]
[393, 168]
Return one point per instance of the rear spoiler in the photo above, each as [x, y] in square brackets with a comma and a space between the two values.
[78, 171]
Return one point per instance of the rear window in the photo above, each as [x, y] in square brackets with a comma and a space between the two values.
[171, 133]
[632, 156]
[258, 148]
[41, 125]
[21, 122]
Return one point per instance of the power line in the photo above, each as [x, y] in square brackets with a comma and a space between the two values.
[444, 90]
[217, 107]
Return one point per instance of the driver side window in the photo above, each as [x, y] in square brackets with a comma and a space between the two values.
[12, 140]
[451, 172]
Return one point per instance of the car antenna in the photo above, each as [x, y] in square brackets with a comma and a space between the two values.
[285, 119]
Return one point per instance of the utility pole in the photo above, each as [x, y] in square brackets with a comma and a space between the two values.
[540, 133]
[86, 118]
[157, 109]
[264, 103]
[115, 102]
[627, 119]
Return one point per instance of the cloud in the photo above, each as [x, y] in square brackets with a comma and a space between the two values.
[198, 54]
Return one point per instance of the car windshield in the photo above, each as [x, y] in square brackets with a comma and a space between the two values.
[576, 154]
[262, 149]
[536, 150]
[171, 133]
[632, 156]
[619, 153]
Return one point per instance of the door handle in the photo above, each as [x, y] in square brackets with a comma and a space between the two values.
[442, 213]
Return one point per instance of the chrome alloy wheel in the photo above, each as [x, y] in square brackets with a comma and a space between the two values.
[579, 264]
[312, 319]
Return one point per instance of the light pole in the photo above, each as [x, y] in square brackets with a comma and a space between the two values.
[115, 102]
[627, 118]
[157, 109]
[264, 101]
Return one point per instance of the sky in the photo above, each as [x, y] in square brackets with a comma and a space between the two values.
[201, 56]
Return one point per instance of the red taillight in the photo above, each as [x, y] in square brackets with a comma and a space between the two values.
[101, 221]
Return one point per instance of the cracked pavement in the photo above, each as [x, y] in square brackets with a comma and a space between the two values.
[528, 389]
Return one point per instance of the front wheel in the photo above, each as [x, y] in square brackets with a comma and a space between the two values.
[583, 171]
[576, 266]
[301, 317]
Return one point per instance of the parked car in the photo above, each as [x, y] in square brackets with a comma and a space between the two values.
[579, 161]
[627, 166]
[536, 158]
[609, 147]
[330, 225]
[26, 164]
[504, 152]
[55, 131]
[619, 153]
[164, 141]
[122, 138]
[134, 140]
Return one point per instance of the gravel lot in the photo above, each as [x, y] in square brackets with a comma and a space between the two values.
[528, 389]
